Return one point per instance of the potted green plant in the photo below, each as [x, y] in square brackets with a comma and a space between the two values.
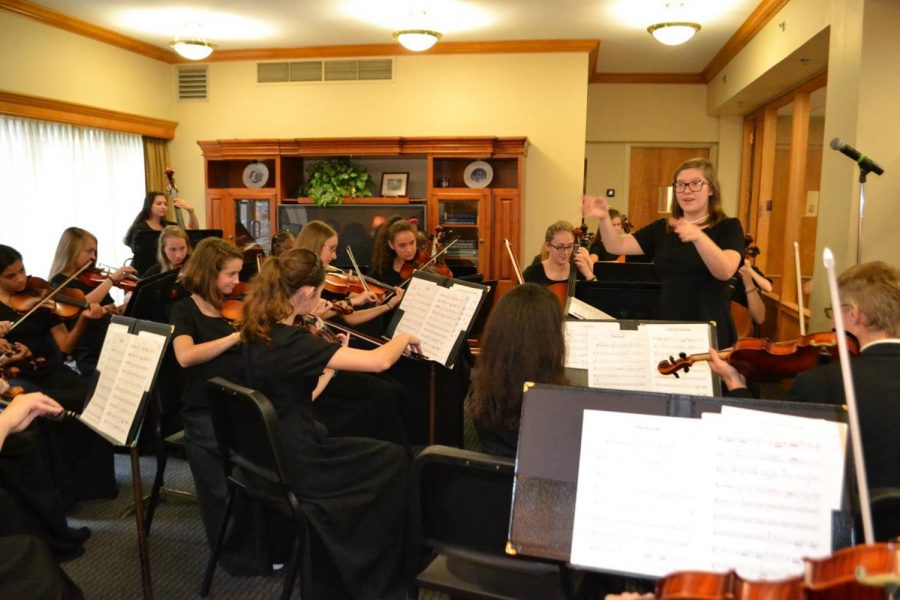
[330, 181]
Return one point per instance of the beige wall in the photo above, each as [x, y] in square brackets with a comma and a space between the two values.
[624, 115]
[44, 61]
[541, 96]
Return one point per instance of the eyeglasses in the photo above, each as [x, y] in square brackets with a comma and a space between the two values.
[562, 248]
[829, 311]
[694, 186]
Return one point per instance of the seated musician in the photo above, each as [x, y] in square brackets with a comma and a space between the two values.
[597, 249]
[152, 216]
[395, 245]
[282, 242]
[522, 341]
[749, 282]
[556, 258]
[870, 296]
[172, 250]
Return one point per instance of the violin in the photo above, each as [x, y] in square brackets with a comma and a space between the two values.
[66, 303]
[428, 262]
[232, 309]
[344, 284]
[843, 575]
[94, 276]
[318, 328]
[762, 360]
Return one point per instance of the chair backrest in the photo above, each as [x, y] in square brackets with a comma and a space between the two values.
[465, 498]
[247, 431]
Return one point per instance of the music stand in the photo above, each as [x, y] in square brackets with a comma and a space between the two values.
[622, 290]
[151, 297]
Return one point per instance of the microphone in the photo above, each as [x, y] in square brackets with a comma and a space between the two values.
[865, 163]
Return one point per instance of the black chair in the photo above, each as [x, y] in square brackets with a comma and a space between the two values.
[246, 429]
[466, 498]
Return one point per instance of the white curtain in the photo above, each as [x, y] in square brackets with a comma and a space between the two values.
[54, 176]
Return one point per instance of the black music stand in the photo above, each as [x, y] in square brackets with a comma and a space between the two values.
[152, 296]
[622, 290]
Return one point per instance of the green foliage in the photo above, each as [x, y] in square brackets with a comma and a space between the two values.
[330, 181]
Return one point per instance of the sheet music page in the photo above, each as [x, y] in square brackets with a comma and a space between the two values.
[135, 376]
[636, 508]
[618, 360]
[668, 339]
[112, 353]
[582, 310]
[767, 499]
[578, 334]
[437, 315]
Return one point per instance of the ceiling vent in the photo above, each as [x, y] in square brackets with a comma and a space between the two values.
[329, 70]
[192, 83]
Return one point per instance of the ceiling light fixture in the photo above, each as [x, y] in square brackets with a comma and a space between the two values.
[417, 40]
[675, 33]
[192, 48]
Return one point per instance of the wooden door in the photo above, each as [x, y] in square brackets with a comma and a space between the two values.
[650, 176]
[464, 214]
[506, 225]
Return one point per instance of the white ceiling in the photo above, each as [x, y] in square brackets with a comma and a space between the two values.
[619, 25]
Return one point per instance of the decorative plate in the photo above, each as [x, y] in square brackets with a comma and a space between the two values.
[478, 174]
[256, 175]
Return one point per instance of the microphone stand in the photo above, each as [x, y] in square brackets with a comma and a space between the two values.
[863, 173]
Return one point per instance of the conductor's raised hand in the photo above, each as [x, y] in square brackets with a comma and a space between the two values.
[594, 207]
[687, 232]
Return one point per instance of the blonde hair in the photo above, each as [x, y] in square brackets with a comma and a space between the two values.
[201, 274]
[170, 231]
[715, 213]
[279, 278]
[71, 242]
[551, 233]
[874, 287]
[314, 235]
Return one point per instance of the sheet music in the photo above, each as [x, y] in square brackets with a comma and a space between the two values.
[577, 336]
[732, 491]
[127, 366]
[437, 315]
[583, 310]
[635, 509]
[627, 359]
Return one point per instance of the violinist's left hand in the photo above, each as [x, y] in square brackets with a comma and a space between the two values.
[5, 326]
[585, 263]
[729, 375]
[363, 298]
[93, 311]
[687, 231]
[323, 309]
[122, 272]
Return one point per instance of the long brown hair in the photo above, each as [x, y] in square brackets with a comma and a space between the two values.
[382, 255]
[279, 278]
[523, 341]
[71, 242]
[716, 214]
[201, 273]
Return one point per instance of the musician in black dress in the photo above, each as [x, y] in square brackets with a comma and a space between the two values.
[597, 249]
[172, 250]
[556, 258]
[523, 341]
[396, 244]
[152, 216]
[356, 489]
[78, 247]
[282, 242]
[695, 252]
[205, 345]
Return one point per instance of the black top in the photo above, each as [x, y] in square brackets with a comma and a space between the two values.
[87, 351]
[600, 250]
[358, 487]
[34, 332]
[141, 225]
[535, 274]
[188, 320]
[689, 290]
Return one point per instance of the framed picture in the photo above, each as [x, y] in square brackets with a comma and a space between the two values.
[393, 184]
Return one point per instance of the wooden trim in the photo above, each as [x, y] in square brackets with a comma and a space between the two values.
[593, 57]
[746, 32]
[59, 20]
[393, 49]
[677, 78]
[394, 146]
[796, 194]
[744, 212]
[47, 109]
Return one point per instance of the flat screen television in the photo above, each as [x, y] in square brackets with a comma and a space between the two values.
[356, 224]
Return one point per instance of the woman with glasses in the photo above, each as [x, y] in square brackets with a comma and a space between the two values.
[558, 255]
[696, 251]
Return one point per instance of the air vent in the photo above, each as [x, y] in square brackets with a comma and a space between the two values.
[329, 70]
[192, 82]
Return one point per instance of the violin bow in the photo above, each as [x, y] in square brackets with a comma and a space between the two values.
[799, 289]
[850, 395]
[512, 259]
[359, 273]
[49, 296]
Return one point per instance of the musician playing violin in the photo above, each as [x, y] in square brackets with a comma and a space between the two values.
[695, 252]
[870, 296]
[172, 251]
[395, 245]
[77, 248]
[557, 258]
[282, 242]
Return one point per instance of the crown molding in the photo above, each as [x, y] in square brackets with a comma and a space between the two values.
[47, 109]
[748, 29]
[658, 78]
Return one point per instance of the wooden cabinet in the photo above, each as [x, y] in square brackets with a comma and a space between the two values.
[482, 217]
